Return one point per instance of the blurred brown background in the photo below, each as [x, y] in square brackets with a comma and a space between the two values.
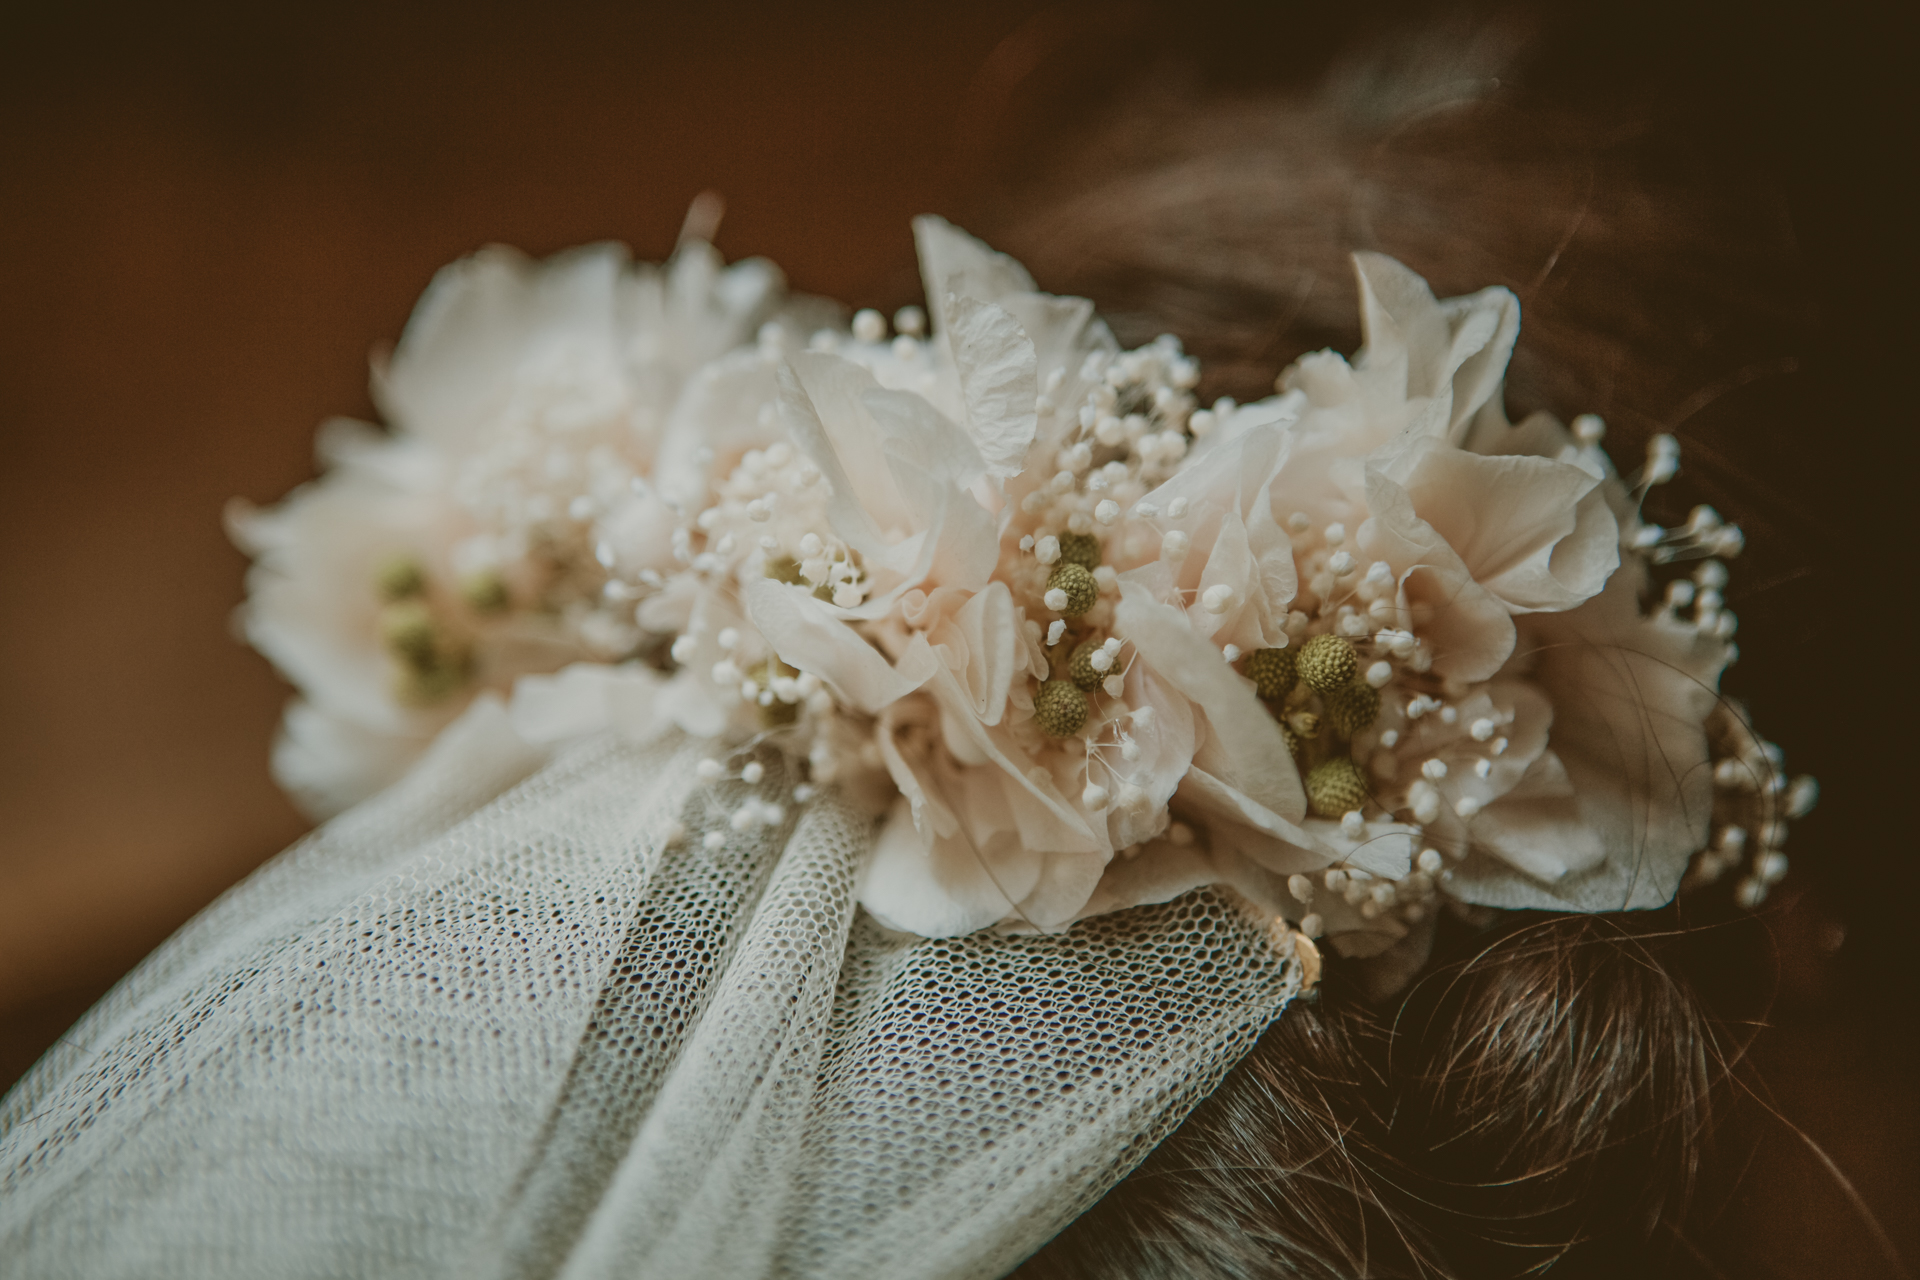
[208, 217]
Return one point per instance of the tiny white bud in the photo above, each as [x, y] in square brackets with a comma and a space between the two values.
[753, 772]
[683, 649]
[1055, 629]
[869, 325]
[1434, 769]
[713, 840]
[1342, 563]
[1174, 544]
[1466, 806]
[1430, 861]
[1026, 542]
[1336, 533]
[1588, 429]
[1379, 674]
[1301, 888]
[1217, 598]
[728, 638]
[1106, 511]
[1390, 738]
[1177, 509]
[1802, 794]
[810, 545]
[1094, 797]
[1231, 653]
[911, 321]
[1115, 685]
[1335, 880]
[1080, 457]
[804, 792]
[725, 672]
[1047, 550]
[1352, 825]
[1055, 599]
[710, 770]
[1100, 659]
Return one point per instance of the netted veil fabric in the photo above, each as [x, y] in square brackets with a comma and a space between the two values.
[496, 1022]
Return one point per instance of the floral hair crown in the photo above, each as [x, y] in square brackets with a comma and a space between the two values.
[1357, 651]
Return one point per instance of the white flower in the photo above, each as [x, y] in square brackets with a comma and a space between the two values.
[1082, 644]
[471, 545]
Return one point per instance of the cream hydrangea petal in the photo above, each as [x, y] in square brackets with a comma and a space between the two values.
[1243, 742]
[811, 636]
[311, 607]
[982, 646]
[996, 363]
[1384, 848]
[489, 319]
[1453, 353]
[1535, 533]
[1469, 629]
[955, 263]
[822, 405]
[1631, 696]
[1160, 872]
[976, 845]
[327, 764]
[718, 416]
[1534, 828]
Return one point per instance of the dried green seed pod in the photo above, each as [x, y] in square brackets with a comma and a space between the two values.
[1080, 666]
[1353, 708]
[1077, 590]
[408, 630]
[485, 593]
[1335, 788]
[1327, 663]
[1060, 708]
[435, 680]
[1273, 671]
[1082, 549]
[400, 578]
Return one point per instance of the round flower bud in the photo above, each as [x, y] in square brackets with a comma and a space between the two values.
[1353, 708]
[1327, 663]
[1075, 583]
[1060, 708]
[408, 631]
[1082, 549]
[485, 593]
[1335, 788]
[400, 578]
[1272, 671]
[1085, 675]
